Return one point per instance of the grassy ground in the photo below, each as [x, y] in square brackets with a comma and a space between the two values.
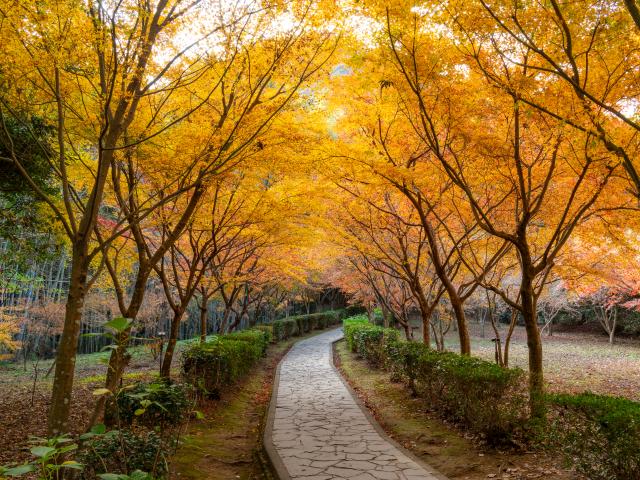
[573, 361]
[227, 444]
[407, 420]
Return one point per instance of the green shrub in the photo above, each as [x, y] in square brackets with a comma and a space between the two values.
[303, 322]
[213, 366]
[123, 451]
[402, 361]
[351, 325]
[268, 329]
[481, 395]
[285, 328]
[370, 342]
[599, 434]
[254, 336]
[159, 403]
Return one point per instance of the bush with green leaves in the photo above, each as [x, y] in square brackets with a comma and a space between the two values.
[352, 325]
[124, 452]
[402, 361]
[267, 329]
[599, 434]
[159, 403]
[253, 336]
[371, 341]
[51, 459]
[214, 365]
[285, 328]
[481, 395]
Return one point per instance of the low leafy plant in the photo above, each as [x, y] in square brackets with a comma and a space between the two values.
[285, 328]
[160, 403]
[599, 434]
[352, 325]
[267, 329]
[482, 396]
[254, 336]
[51, 459]
[123, 451]
[213, 366]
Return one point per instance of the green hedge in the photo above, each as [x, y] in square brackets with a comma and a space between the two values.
[214, 365]
[285, 328]
[300, 324]
[599, 434]
[351, 326]
[482, 396]
[253, 336]
[267, 329]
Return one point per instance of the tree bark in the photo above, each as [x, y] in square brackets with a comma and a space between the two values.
[204, 315]
[165, 371]
[67, 348]
[534, 344]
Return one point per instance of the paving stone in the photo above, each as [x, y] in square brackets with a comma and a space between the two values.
[319, 431]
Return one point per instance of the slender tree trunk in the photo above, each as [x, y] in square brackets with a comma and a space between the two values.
[225, 320]
[461, 321]
[165, 372]
[386, 321]
[426, 323]
[534, 345]
[67, 348]
[204, 315]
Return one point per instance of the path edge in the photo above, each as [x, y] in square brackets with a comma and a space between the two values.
[374, 423]
[267, 437]
[268, 447]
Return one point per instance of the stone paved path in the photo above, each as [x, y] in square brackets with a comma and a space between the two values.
[320, 433]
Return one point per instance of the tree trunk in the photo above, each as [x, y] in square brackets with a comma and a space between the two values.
[165, 372]
[204, 314]
[461, 321]
[426, 324]
[67, 348]
[534, 345]
[386, 321]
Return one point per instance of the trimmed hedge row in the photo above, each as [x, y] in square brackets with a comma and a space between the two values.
[599, 434]
[484, 397]
[220, 362]
[216, 364]
[299, 325]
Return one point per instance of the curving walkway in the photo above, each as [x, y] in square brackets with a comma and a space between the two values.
[317, 430]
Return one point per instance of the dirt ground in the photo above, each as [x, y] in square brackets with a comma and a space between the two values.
[24, 398]
[456, 455]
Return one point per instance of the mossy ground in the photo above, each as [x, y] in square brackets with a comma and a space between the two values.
[408, 420]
